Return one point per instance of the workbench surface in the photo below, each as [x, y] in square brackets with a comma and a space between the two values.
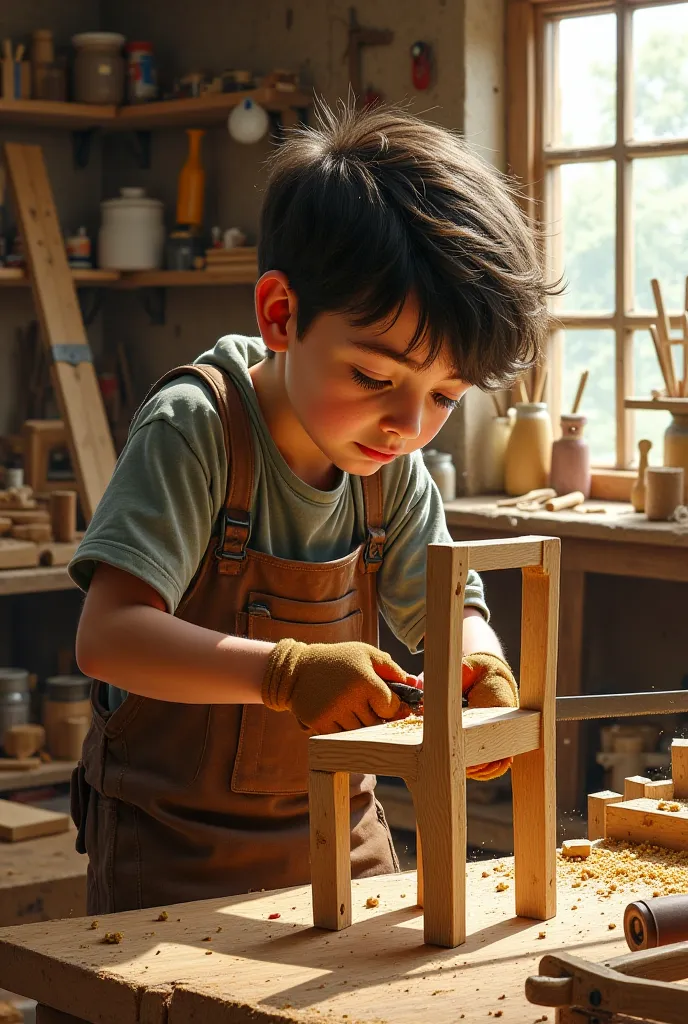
[42, 879]
[226, 961]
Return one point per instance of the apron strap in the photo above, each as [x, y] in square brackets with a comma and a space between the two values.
[234, 520]
[375, 532]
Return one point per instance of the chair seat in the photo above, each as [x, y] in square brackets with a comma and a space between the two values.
[393, 748]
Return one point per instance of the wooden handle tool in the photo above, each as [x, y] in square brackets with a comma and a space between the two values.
[540, 494]
[565, 501]
[664, 331]
[579, 394]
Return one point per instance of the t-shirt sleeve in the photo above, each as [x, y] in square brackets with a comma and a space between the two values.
[414, 517]
[157, 514]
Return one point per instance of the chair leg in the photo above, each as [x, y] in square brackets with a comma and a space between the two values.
[441, 821]
[419, 869]
[330, 835]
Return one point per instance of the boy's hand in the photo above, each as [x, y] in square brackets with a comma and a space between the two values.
[333, 687]
[488, 682]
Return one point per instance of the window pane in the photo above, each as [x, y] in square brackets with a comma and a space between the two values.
[587, 235]
[660, 198]
[586, 60]
[648, 377]
[593, 351]
[660, 70]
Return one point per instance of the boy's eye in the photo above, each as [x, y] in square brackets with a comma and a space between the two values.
[368, 382]
[444, 402]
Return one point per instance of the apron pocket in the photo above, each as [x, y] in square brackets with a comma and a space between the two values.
[272, 753]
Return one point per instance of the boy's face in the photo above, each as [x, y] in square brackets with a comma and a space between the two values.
[357, 396]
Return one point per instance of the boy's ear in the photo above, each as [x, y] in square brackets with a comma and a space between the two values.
[276, 307]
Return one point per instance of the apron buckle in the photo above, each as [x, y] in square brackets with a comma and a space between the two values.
[374, 548]
[235, 530]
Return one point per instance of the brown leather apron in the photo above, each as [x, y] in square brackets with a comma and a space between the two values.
[178, 802]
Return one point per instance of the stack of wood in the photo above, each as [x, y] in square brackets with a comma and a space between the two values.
[32, 533]
[241, 257]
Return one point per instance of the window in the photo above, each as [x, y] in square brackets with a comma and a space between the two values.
[598, 132]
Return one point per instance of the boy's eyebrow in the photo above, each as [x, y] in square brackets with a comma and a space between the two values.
[380, 349]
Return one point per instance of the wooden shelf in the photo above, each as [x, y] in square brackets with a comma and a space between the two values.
[53, 114]
[246, 274]
[12, 277]
[676, 405]
[212, 108]
[35, 581]
[52, 773]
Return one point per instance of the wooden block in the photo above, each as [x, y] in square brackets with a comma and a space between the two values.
[679, 768]
[22, 821]
[18, 764]
[597, 803]
[39, 533]
[640, 821]
[576, 848]
[22, 741]
[17, 554]
[661, 789]
[634, 787]
[23, 515]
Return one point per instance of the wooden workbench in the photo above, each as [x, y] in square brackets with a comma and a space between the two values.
[41, 879]
[618, 542]
[224, 961]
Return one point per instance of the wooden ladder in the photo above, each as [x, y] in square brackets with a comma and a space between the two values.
[62, 327]
[432, 758]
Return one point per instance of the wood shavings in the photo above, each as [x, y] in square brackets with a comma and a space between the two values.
[273, 917]
[112, 938]
[542, 935]
[94, 924]
[611, 926]
[371, 902]
[668, 805]
[501, 886]
[162, 916]
[615, 864]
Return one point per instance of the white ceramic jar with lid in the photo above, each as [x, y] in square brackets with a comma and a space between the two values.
[132, 232]
[442, 471]
[99, 67]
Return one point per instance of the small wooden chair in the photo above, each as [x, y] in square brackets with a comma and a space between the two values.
[432, 758]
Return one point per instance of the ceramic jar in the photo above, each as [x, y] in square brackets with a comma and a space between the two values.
[676, 448]
[132, 232]
[99, 68]
[571, 458]
[497, 438]
[14, 698]
[529, 450]
[442, 471]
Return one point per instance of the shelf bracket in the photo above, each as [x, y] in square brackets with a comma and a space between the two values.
[81, 147]
[141, 147]
[154, 301]
[90, 301]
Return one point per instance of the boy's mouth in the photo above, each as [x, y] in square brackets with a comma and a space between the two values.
[378, 456]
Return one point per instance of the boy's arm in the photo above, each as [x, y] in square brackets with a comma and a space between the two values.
[478, 635]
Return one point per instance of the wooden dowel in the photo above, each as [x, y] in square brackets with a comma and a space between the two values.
[579, 394]
[539, 386]
[660, 358]
[565, 501]
[522, 393]
[664, 332]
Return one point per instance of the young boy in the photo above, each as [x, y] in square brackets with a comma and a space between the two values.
[273, 496]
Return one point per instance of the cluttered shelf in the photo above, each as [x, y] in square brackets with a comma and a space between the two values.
[16, 277]
[208, 109]
[246, 274]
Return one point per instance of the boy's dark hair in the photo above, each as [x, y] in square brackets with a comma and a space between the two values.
[371, 206]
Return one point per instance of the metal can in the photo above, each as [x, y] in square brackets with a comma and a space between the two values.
[142, 82]
[14, 698]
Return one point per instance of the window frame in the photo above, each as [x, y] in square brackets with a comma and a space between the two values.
[531, 38]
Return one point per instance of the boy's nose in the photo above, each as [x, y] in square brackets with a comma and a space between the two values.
[404, 420]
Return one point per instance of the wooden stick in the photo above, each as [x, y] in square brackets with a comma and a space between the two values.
[579, 394]
[539, 386]
[522, 393]
[664, 332]
[565, 501]
[684, 389]
[660, 358]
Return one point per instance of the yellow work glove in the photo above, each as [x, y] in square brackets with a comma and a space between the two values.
[333, 687]
[488, 682]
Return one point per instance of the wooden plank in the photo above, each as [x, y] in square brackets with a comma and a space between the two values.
[597, 804]
[13, 277]
[679, 768]
[505, 553]
[56, 114]
[533, 775]
[328, 804]
[21, 821]
[211, 108]
[660, 789]
[76, 387]
[245, 274]
[17, 554]
[52, 773]
[262, 970]
[42, 879]
[675, 405]
[641, 821]
[33, 581]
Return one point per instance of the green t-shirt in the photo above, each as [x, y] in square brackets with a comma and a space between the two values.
[157, 514]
